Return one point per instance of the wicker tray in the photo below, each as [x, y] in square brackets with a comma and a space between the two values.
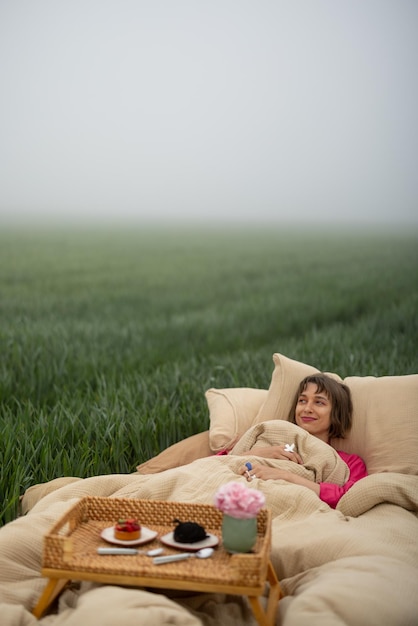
[72, 543]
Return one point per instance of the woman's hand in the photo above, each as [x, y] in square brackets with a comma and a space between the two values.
[274, 473]
[276, 452]
[264, 472]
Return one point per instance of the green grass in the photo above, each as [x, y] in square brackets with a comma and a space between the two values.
[109, 339]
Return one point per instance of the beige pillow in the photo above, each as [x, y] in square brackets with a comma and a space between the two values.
[231, 413]
[385, 423]
[286, 377]
[385, 417]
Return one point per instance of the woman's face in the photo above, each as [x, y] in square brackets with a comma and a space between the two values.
[313, 412]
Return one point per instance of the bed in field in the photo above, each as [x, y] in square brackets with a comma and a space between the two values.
[355, 565]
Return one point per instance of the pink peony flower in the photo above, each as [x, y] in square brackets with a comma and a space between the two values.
[237, 500]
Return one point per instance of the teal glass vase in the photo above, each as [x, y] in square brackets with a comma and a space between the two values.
[238, 535]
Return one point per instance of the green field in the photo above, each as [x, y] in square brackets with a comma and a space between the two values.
[109, 339]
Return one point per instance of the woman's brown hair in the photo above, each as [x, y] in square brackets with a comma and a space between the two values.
[340, 398]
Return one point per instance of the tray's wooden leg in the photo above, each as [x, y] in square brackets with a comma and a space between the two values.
[267, 617]
[51, 591]
[258, 611]
[274, 595]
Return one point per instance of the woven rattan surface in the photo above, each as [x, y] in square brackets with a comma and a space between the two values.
[72, 543]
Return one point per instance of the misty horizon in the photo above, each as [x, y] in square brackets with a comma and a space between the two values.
[225, 112]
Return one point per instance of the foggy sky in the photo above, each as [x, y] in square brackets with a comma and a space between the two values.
[209, 109]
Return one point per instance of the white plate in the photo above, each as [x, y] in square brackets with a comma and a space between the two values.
[209, 542]
[108, 534]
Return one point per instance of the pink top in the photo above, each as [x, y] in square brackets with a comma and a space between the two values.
[330, 493]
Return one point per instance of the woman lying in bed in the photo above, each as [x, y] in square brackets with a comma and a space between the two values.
[322, 407]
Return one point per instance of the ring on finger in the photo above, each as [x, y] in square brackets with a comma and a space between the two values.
[247, 471]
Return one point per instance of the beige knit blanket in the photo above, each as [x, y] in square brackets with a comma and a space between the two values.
[321, 463]
[333, 564]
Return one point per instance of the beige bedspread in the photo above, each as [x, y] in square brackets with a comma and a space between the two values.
[351, 566]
